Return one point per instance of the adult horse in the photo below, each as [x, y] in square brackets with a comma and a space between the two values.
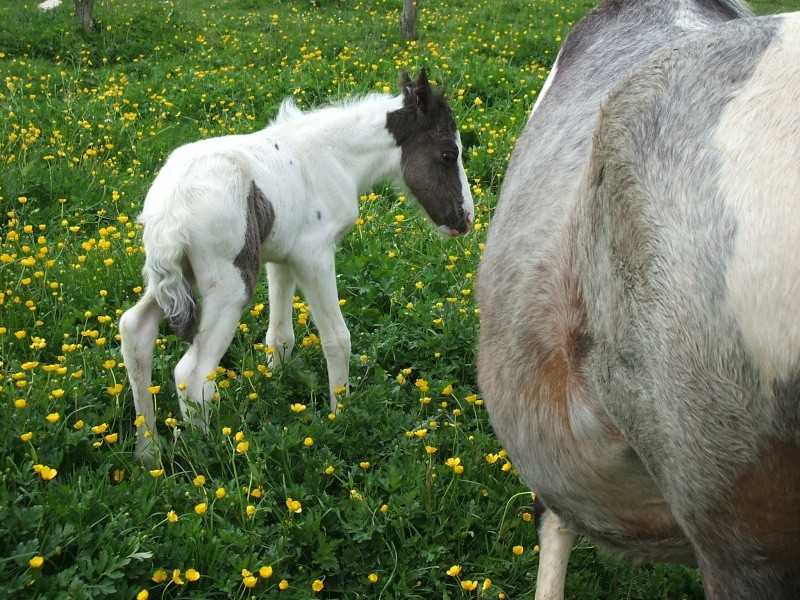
[640, 334]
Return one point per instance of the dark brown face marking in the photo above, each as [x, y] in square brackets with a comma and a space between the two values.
[427, 134]
[260, 217]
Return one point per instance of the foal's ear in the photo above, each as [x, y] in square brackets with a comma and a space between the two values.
[423, 91]
[417, 93]
[406, 87]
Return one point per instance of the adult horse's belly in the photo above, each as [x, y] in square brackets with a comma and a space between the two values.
[532, 370]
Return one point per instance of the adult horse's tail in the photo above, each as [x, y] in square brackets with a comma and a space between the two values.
[165, 273]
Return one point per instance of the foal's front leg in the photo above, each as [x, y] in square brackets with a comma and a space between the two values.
[280, 332]
[317, 279]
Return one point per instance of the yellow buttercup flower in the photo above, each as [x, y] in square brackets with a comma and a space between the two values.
[294, 505]
[160, 576]
[454, 570]
[318, 585]
[36, 562]
[192, 575]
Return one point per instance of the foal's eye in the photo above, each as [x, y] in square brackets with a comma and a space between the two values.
[449, 157]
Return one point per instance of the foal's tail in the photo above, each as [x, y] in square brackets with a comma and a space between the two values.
[165, 273]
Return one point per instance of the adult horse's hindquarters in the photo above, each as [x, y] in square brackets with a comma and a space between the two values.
[640, 333]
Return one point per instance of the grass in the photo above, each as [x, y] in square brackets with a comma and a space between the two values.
[405, 493]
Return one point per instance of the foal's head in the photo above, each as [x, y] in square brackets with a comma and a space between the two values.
[430, 144]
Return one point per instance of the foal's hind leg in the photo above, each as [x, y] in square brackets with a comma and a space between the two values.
[224, 296]
[138, 328]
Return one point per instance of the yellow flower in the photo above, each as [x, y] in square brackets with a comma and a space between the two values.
[201, 508]
[294, 505]
[57, 393]
[372, 577]
[250, 510]
[176, 577]
[100, 428]
[454, 570]
[112, 438]
[46, 473]
[448, 389]
[317, 586]
[469, 585]
[526, 516]
[20, 403]
[329, 470]
[422, 385]
[364, 464]
[36, 562]
[156, 472]
[53, 417]
[172, 516]
[487, 583]
[518, 550]
[265, 572]
[309, 441]
[199, 481]
[249, 581]
[143, 595]
[192, 574]
[297, 407]
[226, 431]
[159, 576]
[220, 493]
[283, 584]
[242, 447]
[26, 437]
[430, 449]
[139, 421]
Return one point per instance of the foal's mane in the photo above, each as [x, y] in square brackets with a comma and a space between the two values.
[290, 112]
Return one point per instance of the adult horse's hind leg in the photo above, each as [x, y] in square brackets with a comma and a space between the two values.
[138, 328]
[280, 333]
[749, 544]
[224, 297]
[555, 542]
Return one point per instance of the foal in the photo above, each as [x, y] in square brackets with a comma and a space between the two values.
[221, 208]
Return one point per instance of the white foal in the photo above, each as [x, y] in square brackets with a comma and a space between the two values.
[223, 207]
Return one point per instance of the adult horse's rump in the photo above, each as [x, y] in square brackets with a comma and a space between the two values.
[640, 335]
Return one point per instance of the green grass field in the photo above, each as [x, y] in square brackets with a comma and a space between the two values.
[405, 493]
